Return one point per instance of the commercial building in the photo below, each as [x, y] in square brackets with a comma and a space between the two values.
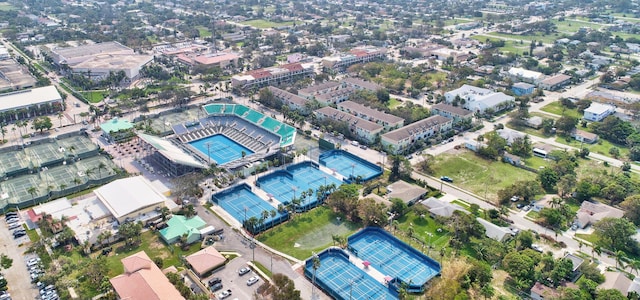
[458, 114]
[596, 112]
[96, 61]
[117, 130]
[365, 130]
[272, 76]
[205, 260]
[26, 104]
[397, 141]
[14, 76]
[133, 198]
[388, 121]
[522, 88]
[520, 74]
[479, 100]
[354, 56]
[179, 226]
[555, 82]
[223, 60]
[170, 156]
[143, 280]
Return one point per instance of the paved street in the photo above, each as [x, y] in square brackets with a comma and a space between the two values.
[17, 276]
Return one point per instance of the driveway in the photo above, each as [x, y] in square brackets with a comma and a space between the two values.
[17, 276]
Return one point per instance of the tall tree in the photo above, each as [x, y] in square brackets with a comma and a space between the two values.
[283, 288]
[615, 233]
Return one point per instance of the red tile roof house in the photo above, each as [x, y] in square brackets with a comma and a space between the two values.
[143, 280]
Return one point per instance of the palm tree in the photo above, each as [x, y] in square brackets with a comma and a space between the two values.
[101, 166]
[621, 258]
[595, 250]
[32, 191]
[189, 211]
[556, 202]
[316, 266]
[264, 216]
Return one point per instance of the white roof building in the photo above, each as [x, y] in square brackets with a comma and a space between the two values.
[525, 75]
[479, 99]
[132, 198]
[27, 98]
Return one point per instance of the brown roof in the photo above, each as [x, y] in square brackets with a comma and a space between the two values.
[586, 134]
[452, 109]
[349, 118]
[260, 73]
[368, 85]
[422, 125]
[286, 96]
[556, 79]
[293, 67]
[206, 260]
[143, 280]
[370, 112]
[320, 87]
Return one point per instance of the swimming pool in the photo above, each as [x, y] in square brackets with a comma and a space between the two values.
[220, 148]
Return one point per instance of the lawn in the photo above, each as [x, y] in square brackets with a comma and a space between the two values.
[307, 233]
[591, 238]
[153, 246]
[422, 226]
[6, 7]
[556, 108]
[548, 39]
[600, 147]
[203, 31]
[263, 24]
[93, 96]
[509, 46]
[536, 162]
[462, 204]
[477, 174]
[572, 26]
[393, 103]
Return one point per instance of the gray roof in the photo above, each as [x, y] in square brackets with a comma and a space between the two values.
[349, 118]
[494, 231]
[319, 87]
[171, 151]
[420, 126]
[441, 208]
[324, 97]
[556, 79]
[454, 110]
[286, 96]
[367, 85]
[523, 85]
[370, 112]
[576, 261]
[405, 191]
[127, 195]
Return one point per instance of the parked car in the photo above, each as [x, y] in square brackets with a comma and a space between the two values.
[214, 280]
[446, 179]
[13, 220]
[224, 294]
[243, 271]
[15, 226]
[253, 280]
[216, 287]
[10, 215]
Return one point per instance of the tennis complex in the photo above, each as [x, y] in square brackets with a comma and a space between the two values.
[241, 203]
[342, 280]
[301, 181]
[351, 167]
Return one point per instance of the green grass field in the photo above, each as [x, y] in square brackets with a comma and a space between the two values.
[307, 233]
[548, 39]
[556, 108]
[393, 103]
[509, 46]
[600, 147]
[422, 227]
[263, 24]
[93, 96]
[477, 174]
[572, 26]
[203, 31]
[6, 7]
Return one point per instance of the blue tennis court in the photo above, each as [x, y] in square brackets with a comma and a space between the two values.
[301, 180]
[393, 257]
[343, 280]
[349, 165]
[241, 203]
[220, 148]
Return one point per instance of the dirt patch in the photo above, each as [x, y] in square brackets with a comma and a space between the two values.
[499, 277]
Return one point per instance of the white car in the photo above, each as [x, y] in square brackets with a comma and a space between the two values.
[224, 294]
[253, 280]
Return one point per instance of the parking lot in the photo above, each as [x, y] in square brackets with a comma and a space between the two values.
[231, 280]
[18, 278]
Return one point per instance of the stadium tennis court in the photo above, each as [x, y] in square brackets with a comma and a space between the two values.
[393, 257]
[343, 280]
[220, 148]
[349, 165]
[241, 203]
[298, 178]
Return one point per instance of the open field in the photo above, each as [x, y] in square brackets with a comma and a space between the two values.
[203, 31]
[556, 108]
[307, 233]
[93, 96]
[571, 26]
[263, 24]
[477, 174]
[601, 146]
[6, 7]
[509, 46]
[547, 39]
[422, 227]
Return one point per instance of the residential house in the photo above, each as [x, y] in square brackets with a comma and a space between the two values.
[318, 89]
[478, 99]
[441, 208]
[534, 122]
[596, 112]
[408, 193]
[336, 96]
[494, 231]
[397, 141]
[143, 280]
[458, 114]
[576, 263]
[365, 130]
[540, 291]
[520, 74]
[360, 84]
[592, 212]
[512, 159]
[510, 135]
[555, 82]
[621, 282]
[389, 121]
[584, 136]
[522, 88]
